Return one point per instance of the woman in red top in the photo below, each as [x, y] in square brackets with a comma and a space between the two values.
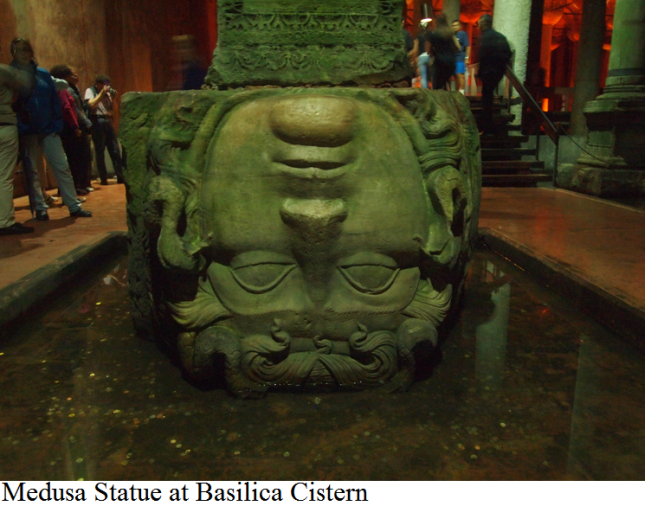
[75, 141]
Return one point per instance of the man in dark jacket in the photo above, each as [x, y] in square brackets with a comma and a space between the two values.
[494, 54]
[40, 131]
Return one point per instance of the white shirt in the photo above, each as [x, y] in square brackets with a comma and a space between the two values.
[104, 107]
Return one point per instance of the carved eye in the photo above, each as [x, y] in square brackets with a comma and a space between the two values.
[370, 273]
[261, 271]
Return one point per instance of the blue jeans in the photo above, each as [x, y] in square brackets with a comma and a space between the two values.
[423, 69]
[51, 146]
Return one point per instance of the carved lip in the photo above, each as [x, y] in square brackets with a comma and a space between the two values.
[312, 171]
[313, 162]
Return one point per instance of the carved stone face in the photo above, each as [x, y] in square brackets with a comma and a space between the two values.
[307, 236]
[310, 207]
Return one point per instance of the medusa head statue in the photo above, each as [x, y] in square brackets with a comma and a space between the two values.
[300, 237]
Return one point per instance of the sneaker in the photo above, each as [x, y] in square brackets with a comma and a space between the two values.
[50, 200]
[81, 199]
[16, 228]
[81, 191]
[81, 213]
[89, 189]
[42, 215]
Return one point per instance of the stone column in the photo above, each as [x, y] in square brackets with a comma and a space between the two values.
[512, 18]
[550, 19]
[451, 9]
[535, 46]
[615, 162]
[589, 62]
[586, 85]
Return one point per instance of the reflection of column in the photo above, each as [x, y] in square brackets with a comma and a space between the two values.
[588, 64]
[585, 406]
[512, 18]
[616, 119]
[491, 341]
[451, 9]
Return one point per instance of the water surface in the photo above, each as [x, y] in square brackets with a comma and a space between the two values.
[525, 388]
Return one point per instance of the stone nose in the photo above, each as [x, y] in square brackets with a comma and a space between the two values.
[314, 120]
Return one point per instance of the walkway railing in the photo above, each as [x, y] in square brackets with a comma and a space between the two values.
[549, 128]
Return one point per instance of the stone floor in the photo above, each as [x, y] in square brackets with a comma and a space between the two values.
[590, 250]
[598, 240]
[21, 255]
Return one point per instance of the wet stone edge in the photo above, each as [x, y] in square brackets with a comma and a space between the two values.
[19, 297]
[622, 319]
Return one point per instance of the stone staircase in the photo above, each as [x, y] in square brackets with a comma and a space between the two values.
[503, 162]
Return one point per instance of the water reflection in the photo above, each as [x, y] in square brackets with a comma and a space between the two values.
[525, 389]
[491, 335]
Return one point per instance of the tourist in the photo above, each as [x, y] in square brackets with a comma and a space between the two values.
[100, 103]
[11, 81]
[442, 46]
[75, 134]
[494, 54]
[188, 71]
[40, 132]
[462, 56]
[408, 41]
[423, 58]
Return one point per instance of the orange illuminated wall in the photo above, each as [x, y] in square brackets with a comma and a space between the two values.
[211, 19]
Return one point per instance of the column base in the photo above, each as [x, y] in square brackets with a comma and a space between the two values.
[601, 182]
[616, 130]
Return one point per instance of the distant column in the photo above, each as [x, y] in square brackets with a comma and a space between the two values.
[549, 20]
[614, 163]
[589, 62]
[451, 9]
[535, 46]
[627, 57]
[512, 18]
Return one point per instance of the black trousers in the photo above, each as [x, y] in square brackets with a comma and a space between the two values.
[441, 75]
[79, 157]
[490, 79]
[103, 135]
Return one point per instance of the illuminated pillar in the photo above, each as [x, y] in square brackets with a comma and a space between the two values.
[589, 62]
[512, 18]
[614, 161]
[551, 18]
[451, 9]
[535, 44]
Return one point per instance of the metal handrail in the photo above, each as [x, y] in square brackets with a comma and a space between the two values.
[528, 99]
[550, 129]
